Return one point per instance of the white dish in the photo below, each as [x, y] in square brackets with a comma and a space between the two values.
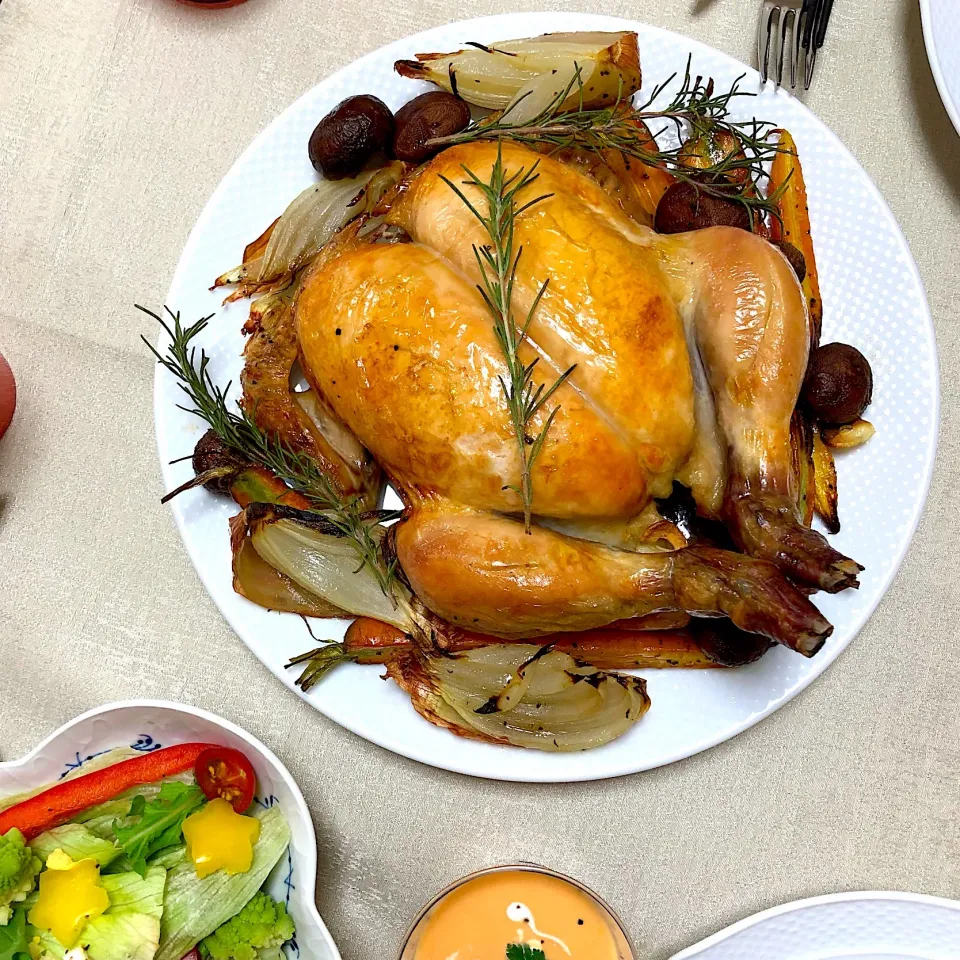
[941, 34]
[874, 299]
[148, 725]
[841, 926]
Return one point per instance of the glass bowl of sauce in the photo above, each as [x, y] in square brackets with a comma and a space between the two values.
[477, 917]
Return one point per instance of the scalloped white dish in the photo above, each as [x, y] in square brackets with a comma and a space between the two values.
[147, 725]
[874, 299]
[868, 926]
[941, 34]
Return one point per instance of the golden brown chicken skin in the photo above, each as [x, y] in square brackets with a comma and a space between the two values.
[405, 350]
[607, 308]
[689, 352]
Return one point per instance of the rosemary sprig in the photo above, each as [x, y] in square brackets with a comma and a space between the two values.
[238, 431]
[498, 273]
[695, 110]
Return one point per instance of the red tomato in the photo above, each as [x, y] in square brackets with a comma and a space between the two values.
[192, 955]
[226, 773]
[8, 395]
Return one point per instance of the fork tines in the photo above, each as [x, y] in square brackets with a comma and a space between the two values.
[787, 34]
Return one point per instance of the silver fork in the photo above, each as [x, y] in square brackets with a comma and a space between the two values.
[785, 34]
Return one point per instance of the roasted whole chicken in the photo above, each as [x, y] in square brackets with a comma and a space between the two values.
[689, 352]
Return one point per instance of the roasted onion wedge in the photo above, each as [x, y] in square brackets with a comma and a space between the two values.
[312, 551]
[524, 77]
[256, 580]
[310, 220]
[522, 695]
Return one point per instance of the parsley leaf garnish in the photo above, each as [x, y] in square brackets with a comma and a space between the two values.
[523, 951]
[151, 827]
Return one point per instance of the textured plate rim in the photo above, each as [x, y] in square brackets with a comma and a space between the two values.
[449, 760]
[939, 77]
[272, 760]
[798, 905]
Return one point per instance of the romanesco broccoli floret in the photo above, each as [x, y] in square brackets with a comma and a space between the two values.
[262, 925]
[18, 872]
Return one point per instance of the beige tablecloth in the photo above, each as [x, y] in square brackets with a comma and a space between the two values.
[117, 120]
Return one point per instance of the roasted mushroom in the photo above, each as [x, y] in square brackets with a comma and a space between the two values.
[434, 114]
[349, 135]
[213, 459]
[716, 148]
[726, 644]
[839, 383]
[686, 206]
[794, 258]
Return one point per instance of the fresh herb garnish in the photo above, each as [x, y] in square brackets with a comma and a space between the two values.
[155, 825]
[238, 431]
[523, 951]
[498, 272]
[696, 110]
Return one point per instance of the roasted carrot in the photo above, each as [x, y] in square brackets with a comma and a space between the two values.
[793, 224]
[370, 641]
[64, 801]
[631, 649]
[668, 620]
[258, 485]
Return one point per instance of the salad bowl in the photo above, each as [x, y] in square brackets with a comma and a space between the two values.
[146, 726]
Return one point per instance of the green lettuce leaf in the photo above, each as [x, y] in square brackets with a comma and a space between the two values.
[101, 818]
[130, 927]
[194, 908]
[157, 824]
[78, 841]
[13, 937]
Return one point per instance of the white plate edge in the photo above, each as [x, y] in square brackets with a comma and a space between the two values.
[798, 905]
[933, 57]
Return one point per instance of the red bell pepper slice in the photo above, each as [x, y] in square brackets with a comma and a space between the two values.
[64, 801]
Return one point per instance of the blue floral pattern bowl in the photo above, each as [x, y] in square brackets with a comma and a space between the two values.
[147, 725]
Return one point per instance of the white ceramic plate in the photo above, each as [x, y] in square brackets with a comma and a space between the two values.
[868, 926]
[941, 34]
[874, 299]
[148, 725]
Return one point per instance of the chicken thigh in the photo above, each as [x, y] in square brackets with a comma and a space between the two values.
[688, 355]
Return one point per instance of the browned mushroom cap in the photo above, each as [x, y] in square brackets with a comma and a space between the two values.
[349, 135]
[434, 114]
[727, 644]
[686, 206]
[839, 383]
